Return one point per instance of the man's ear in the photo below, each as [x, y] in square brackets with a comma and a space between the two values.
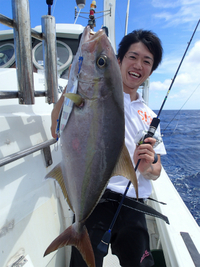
[119, 62]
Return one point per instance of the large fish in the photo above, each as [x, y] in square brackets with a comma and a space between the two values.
[92, 141]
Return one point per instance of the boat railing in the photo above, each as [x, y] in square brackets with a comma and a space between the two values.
[24, 67]
[45, 147]
[23, 54]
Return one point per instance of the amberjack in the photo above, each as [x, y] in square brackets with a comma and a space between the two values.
[92, 141]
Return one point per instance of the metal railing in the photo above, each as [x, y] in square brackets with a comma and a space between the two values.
[24, 67]
[23, 53]
[14, 94]
[45, 146]
[10, 23]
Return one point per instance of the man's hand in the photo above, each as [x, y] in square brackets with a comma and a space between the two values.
[145, 153]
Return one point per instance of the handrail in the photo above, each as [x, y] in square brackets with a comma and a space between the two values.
[15, 94]
[10, 23]
[26, 152]
[6, 21]
[23, 54]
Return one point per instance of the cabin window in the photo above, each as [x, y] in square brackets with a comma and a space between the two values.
[64, 56]
[7, 55]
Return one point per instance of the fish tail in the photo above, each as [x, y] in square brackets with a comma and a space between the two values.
[80, 240]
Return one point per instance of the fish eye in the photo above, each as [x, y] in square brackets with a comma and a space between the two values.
[101, 61]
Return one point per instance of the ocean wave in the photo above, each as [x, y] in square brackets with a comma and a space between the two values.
[182, 162]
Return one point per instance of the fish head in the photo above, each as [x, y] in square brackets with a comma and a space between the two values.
[99, 72]
[94, 134]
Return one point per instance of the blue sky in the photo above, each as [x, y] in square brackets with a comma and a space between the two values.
[173, 21]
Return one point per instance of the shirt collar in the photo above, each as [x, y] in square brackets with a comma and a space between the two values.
[139, 98]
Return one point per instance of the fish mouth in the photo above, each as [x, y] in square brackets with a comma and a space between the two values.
[96, 35]
[134, 74]
[91, 35]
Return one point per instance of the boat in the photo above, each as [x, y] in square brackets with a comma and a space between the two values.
[33, 210]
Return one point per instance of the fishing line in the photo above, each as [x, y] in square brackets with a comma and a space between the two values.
[178, 69]
[77, 16]
[181, 107]
[104, 243]
[119, 18]
[54, 8]
[174, 130]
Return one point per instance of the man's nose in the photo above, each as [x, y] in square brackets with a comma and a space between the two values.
[138, 64]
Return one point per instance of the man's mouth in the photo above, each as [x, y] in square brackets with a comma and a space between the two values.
[134, 74]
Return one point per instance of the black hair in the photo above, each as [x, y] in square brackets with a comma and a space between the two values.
[79, 38]
[148, 38]
[105, 29]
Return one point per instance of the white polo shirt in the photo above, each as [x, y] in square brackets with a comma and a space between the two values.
[138, 116]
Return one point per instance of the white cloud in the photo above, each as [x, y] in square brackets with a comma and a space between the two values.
[183, 79]
[191, 66]
[171, 96]
[168, 65]
[159, 86]
[187, 82]
[194, 55]
[181, 94]
[177, 12]
[165, 4]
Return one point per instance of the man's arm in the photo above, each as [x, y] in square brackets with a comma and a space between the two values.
[153, 172]
[56, 110]
[55, 114]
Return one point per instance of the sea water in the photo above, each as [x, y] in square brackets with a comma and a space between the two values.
[181, 136]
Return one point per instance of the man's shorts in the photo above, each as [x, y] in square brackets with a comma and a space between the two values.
[129, 236]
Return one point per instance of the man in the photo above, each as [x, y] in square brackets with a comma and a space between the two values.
[139, 54]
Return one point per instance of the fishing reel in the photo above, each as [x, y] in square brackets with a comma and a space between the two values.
[142, 135]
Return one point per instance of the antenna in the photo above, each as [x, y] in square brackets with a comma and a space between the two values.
[91, 21]
[49, 3]
[80, 3]
[127, 15]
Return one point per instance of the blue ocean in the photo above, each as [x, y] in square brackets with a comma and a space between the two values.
[181, 136]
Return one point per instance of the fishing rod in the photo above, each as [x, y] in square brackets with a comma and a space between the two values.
[104, 243]
[181, 107]
[178, 69]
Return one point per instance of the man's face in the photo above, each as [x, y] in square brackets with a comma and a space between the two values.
[136, 67]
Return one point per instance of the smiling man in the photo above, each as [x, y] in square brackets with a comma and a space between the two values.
[139, 54]
[139, 62]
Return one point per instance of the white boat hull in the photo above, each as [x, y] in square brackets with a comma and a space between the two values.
[30, 206]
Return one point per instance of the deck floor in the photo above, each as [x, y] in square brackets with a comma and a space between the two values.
[111, 260]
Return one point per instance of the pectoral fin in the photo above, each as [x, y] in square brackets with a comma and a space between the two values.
[77, 99]
[124, 167]
[56, 174]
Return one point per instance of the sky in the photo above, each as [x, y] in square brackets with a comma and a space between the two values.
[173, 21]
